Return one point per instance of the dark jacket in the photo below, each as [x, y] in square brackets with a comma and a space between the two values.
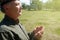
[13, 30]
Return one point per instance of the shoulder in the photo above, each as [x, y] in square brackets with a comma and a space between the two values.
[2, 28]
[5, 27]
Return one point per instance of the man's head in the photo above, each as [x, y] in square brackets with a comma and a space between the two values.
[12, 8]
[2, 2]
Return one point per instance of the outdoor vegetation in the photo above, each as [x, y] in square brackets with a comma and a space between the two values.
[41, 14]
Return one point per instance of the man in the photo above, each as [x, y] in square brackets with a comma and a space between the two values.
[10, 28]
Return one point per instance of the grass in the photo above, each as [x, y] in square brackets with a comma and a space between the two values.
[1, 16]
[49, 19]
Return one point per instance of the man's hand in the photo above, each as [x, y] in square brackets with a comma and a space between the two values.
[38, 32]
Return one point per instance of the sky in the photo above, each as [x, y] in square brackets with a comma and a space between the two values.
[25, 1]
[28, 1]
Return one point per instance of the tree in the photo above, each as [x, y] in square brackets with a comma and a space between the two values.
[36, 5]
[56, 5]
[47, 5]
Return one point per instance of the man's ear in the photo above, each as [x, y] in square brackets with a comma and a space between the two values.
[5, 7]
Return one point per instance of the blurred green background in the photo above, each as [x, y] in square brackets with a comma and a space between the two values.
[39, 13]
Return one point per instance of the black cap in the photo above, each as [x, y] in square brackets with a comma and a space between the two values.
[2, 2]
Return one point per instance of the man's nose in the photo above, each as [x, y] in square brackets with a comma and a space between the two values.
[18, 7]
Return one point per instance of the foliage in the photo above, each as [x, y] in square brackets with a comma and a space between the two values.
[24, 6]
[56, 4]
[36, 5]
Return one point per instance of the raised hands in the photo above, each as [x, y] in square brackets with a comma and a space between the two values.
[38, 31]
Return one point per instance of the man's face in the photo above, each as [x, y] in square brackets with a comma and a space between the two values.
[13, 8]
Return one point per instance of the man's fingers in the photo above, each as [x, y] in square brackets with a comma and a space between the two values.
[38, 32]
[38, 29]
[38, 35]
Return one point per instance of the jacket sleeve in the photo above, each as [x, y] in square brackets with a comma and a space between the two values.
[31, 36]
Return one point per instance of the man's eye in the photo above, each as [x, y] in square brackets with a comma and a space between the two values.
[17, 4]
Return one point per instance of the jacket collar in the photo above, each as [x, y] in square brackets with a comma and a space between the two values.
[9, 21]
